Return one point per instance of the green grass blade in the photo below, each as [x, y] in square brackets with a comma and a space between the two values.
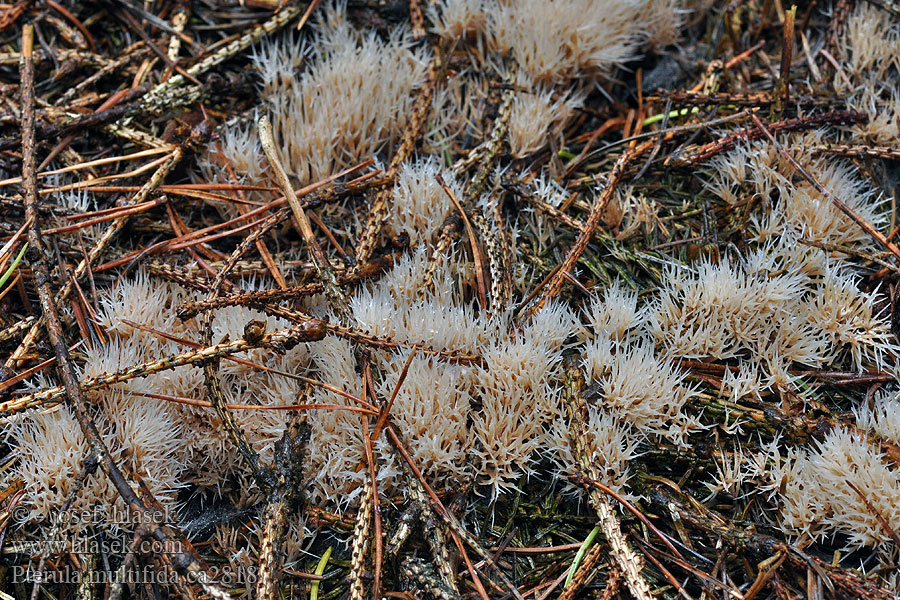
[579, 556]
[15, 263]
[320, 568]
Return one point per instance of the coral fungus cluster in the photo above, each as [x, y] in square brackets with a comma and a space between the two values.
[724, 334]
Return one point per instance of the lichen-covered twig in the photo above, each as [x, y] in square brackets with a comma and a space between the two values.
[281, 339]
[626, 558]
[379, 209]
[855, 151]
[488, 156]
[586, 572]
[500, 253]
[361, 541]
[435, 535]
[210, 375]
[284, 499]
[191, 309]
[336, 295]
[426, 579]
[172, 91]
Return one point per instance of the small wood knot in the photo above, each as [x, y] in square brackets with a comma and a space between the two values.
[254, 331]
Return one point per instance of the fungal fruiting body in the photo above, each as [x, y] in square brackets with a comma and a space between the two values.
[686, 348]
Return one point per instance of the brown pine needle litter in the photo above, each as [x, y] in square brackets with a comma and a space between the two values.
[450, 299]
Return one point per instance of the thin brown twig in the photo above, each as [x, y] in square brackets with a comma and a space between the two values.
[260, 244]
[456, 529]
[191, 309]
[105, 239]
[473, 242]
[892, 533]
[555, 285]
[691, 155]
[386, 409]
[376, 504]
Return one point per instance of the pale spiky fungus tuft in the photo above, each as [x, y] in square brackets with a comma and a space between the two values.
[730, 474]
[150, 439]
[139, 300]
[749, 172]
[843, 485]
[56, 449]
[419, 201]
[432, 411]
[520, 397]
[873, 39]
[332, 461]
[745, 382]
[616, 313]
[239, 148]
[554, 41]
[321, 126]
[629, 284]
[611, 447]
[719, 310]
[428, 321]
[278, 64]
[871, 57]
[144, 439]
[633, 384]
[538, 114]
[454, 19]
[882, 419]
[852, 320]
[816, 218]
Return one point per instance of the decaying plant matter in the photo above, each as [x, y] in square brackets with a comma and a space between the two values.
[450, 299]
